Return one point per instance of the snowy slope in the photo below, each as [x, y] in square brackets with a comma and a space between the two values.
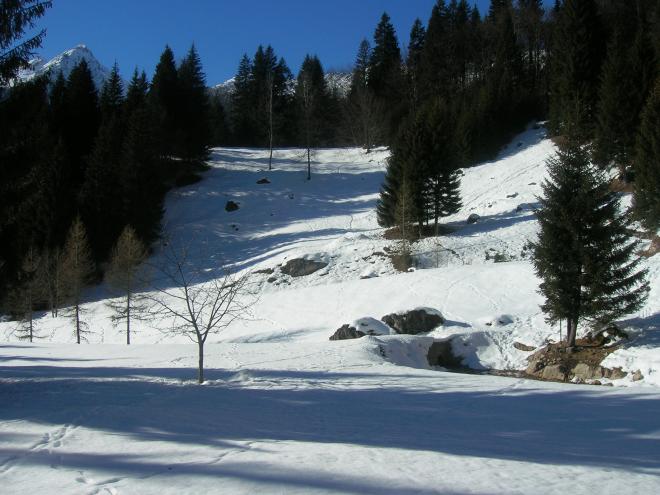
[285, 410]
[65, 63]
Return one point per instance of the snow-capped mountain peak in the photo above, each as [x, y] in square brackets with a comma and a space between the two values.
[65, 63]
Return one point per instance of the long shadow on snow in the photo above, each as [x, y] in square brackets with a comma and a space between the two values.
[491, 223]
[577, 427]
[268, 220]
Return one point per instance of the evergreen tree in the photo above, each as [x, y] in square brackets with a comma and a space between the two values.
[127, 255]
[435, 56]
[584, 254]
[413, 62]
[242, 121]
[82, 120]
[193, 128]
[362, 111]
[392, 184]
[77, 271]
[647, 164]
[626, 80]
[17, 17]
[100, 193]
[311, 96]
[220, 132]
[576, 67]
[165, 99]
[111, 99]
[137, 93]
[386, 78]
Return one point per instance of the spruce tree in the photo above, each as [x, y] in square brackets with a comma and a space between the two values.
[82, 120]
[386, 78]
[242, 104]
[362, 111]
[413, 62]
[626, 80]
[77, 271]
[111, 99]
[578, 49]
[647, 164]
[136, 93]
[17, 17]
[165, 100]
[584, 254]
[192, 128]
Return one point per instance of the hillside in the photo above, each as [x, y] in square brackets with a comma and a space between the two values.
[285, 410]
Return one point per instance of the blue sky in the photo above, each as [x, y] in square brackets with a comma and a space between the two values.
[134, 32]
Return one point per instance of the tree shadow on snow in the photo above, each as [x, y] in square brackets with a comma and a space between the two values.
[577, 427]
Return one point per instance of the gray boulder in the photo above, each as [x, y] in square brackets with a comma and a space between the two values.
[347, 332]
[231, 206]
[413, 322]
[300, 267]
[473, 218]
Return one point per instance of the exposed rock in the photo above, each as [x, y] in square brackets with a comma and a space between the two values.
[637, 376]
[473, 218]
[267, 271]
[523, 347]
[263, 181]
[346, 332]
[231, 206]
[580, 365]
[519, 208]
[514, 195]
[271, 280]
[606, 335]
[419, 320]
[301, 267]
[441, 354]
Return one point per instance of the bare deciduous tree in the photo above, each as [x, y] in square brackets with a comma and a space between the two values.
[198, 300]
[27, 295]
[77, 270]
[122, 275]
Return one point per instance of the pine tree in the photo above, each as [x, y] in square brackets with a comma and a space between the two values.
[165, 99]
[362, 111]
[386, 78]
[17, 17]
[220, 132]
[192, 128]
[584, 254]
[77, 271]
[578, 48]
[311, 96]
[386, 207]
[137, 93]
[111, 99]
[647, 164]
[242, 121]
[413, 63]
[435, 70]
[127, 255]
[82, 120]
[626, 81]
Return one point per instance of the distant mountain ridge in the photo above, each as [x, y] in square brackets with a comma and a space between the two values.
[65, 63]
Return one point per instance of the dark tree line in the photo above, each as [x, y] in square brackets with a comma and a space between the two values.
[97, 159]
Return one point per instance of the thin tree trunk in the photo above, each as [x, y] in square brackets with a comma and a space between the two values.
[128, 317]
[200, 369]
[309, 164]
[270, 112]
[77, 323]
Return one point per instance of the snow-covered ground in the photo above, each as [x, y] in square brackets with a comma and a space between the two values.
[285, 410]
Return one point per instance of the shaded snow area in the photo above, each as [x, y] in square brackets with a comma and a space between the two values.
[284, 410]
